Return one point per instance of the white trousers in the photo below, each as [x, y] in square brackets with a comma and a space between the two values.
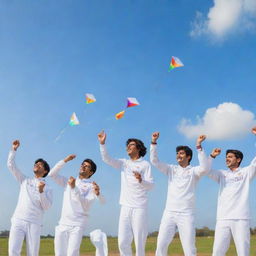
[239, 229]
[67, 240]
[186, 227]
[132, 225]
[23, 229]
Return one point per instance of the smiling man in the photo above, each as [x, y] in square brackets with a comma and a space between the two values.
[35, 197]
[180, 204]
[136, 180]
[233, 212]
[79, 195]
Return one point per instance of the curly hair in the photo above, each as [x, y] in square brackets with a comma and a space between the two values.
[139, 145]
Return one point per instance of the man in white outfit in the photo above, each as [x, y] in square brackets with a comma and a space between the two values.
[34, 198]
[233, 212]
[180, 204]
[78, 196]
[136, 180]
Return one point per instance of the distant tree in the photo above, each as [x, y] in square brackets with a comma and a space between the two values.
[4, 233]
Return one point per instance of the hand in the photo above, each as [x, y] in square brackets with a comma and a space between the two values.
[41, 186]
[155, 136]
[200, 139]
[254, 130]
[96, 188]
[69, 158]
[102, 137]
[215, 152]
[138, 176]
[15, 145]
[72, 182]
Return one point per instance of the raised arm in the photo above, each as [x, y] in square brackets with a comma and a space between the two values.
[45, 196]
[203, 167]
[54, 172]
[214, 174]
[11, 162]
[252, 166]
[163, 167]
[116, 163]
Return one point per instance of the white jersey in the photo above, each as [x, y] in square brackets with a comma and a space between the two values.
[133, 194]
[181, 181]
[31, 203]
[233, 199]
[76, 201]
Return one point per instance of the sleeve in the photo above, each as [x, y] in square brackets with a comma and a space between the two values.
[162, 167]
[147, 179]
[116, 163]
[86, 201]
[204, 164]
[46, 199]
[54, 174]
[252, 168]
[213, 174]
[13, 168]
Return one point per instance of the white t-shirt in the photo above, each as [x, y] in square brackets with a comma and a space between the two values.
[181, 181]
[133, 194]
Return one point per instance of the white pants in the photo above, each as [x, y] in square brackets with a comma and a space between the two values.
[21, 229]
[67, 240]
[186, 227]
[239, 229]
[132, 224]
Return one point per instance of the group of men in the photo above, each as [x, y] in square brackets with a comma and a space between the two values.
[136, 180]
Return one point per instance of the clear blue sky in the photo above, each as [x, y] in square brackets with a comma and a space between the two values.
[53, 52]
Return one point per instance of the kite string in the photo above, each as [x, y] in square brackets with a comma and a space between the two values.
[60, 134]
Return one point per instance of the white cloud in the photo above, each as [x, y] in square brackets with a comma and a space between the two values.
[226, 121]
[226, 16]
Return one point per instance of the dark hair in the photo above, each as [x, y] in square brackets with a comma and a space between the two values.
[93, 165]
[187, 150]
[45, 164]
[237, 153]
[139, 145]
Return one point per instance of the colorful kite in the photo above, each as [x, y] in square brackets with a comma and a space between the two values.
[89, 98]
[120, 115]
[73, 120]
[175, 63]
[132, 102]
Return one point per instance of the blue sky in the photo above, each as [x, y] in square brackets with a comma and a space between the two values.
[53, 52]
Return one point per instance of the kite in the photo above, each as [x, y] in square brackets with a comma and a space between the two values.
[132, 102]
[89, 98]
[175, 63]
[120, 115]
[73, 120]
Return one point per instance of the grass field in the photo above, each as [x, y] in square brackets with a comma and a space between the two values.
[204, 247]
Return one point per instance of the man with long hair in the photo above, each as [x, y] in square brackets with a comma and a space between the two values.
[136, 180]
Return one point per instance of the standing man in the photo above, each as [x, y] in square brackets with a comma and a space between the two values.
[136, 180]
[180, 204]
[233, 213]
[35, 197]
[79, 194]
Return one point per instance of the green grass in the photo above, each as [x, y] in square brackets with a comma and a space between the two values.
[204, 246]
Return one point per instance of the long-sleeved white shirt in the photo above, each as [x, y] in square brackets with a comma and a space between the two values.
[133, 193]
[76, 201]
[31, 203]
[233, 198]
[181, 181]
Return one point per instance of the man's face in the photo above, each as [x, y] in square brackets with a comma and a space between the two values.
[132, 149]
[85, 170]
[231, 161]
[39, 170]
[182, 158]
